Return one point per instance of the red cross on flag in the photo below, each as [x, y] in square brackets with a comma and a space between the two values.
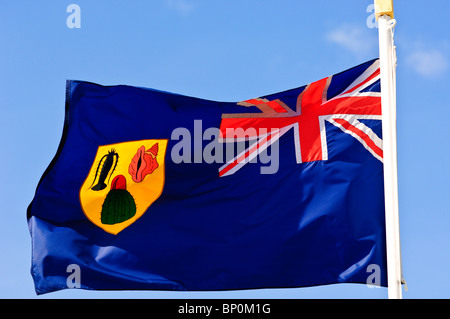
[307, 121]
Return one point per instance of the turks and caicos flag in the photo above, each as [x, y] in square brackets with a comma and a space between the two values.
[138, 195]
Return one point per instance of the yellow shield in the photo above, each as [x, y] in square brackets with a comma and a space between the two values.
[124, 180]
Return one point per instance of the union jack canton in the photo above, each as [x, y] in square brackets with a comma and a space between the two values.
[360, 100]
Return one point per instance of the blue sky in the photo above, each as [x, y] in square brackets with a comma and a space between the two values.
[227, 51]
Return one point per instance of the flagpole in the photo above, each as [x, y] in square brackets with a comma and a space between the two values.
[385, 15]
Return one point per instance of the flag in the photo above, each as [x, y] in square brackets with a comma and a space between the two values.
[151, 190]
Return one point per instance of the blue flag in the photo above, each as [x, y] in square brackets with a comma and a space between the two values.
[153, 190]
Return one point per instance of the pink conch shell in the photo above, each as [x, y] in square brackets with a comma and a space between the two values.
[143, 163]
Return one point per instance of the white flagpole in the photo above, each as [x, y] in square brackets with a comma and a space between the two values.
[385, 13]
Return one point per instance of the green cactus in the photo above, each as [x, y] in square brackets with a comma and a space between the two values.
[118, 207]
